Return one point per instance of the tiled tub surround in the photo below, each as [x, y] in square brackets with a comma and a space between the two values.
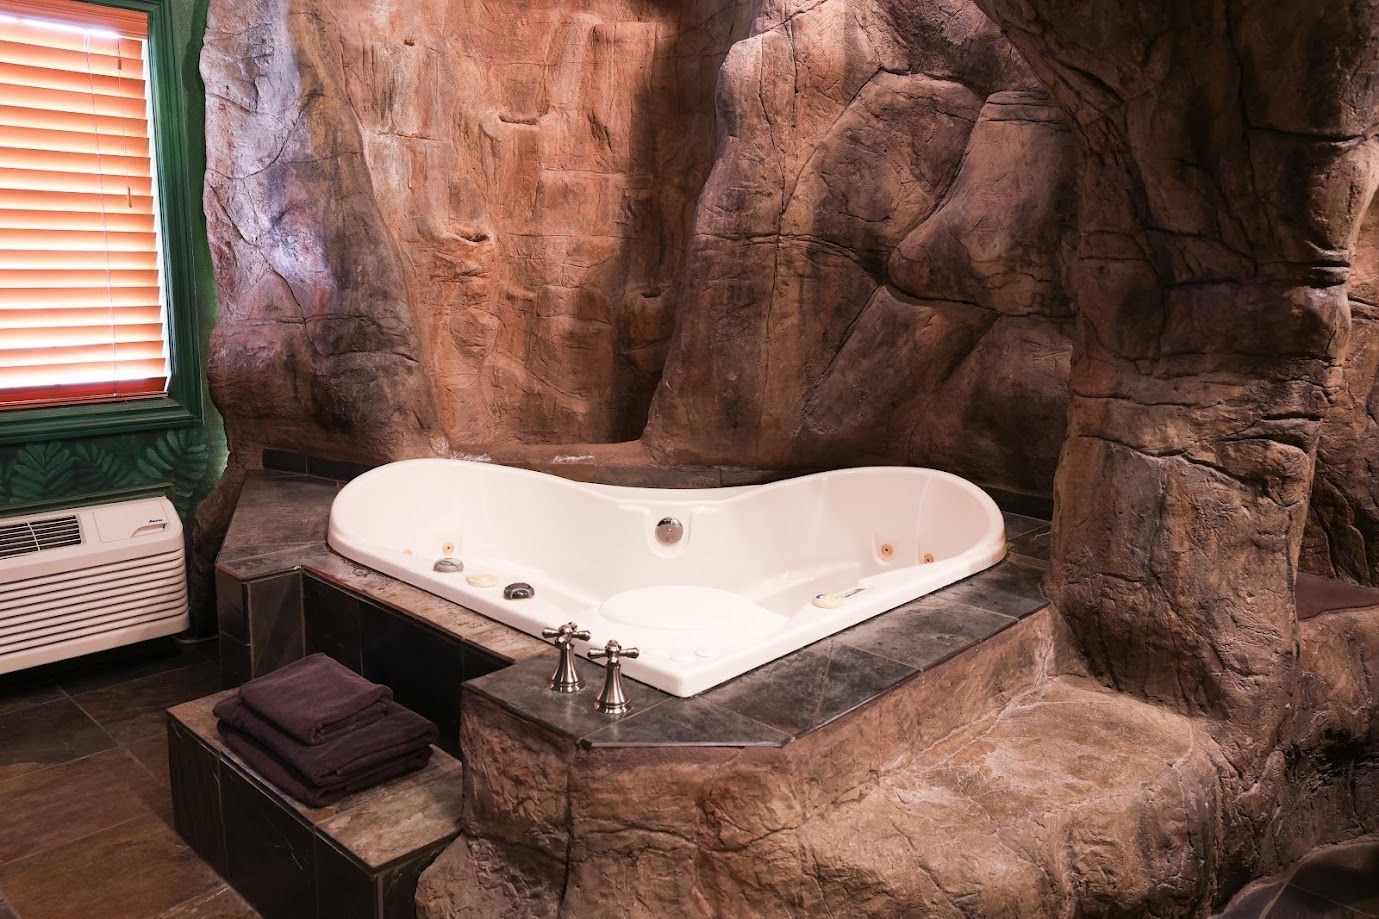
[685, 799]
[708, 583]
[788, 697]
[283, 593]
[358, 858]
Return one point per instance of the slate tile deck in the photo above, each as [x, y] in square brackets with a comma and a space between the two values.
[793, 695]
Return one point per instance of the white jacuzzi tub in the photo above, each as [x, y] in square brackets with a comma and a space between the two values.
[736, 591]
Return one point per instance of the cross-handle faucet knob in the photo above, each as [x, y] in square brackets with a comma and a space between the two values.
[566, 677]
[612, 700]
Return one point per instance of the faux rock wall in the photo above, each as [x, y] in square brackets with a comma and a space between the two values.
[315, 339]
[538, 166]
[741, 232]
[440, 229]
[1229, 163]
[453, 223]
[873, 277]
[1342, 537]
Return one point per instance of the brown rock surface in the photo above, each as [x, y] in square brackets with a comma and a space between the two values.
[960, 360]
[1343, 528]
[460, 230]
[311, 335]
[504, 237]
[838, 306]
[1211, 321]
[452, 225]
[995, 785]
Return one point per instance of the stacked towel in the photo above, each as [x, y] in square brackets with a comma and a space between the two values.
[315, 698]
[320, 732]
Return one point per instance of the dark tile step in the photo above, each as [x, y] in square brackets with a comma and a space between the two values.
[359, 857]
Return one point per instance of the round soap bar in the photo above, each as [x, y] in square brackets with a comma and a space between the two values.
[828, 601]
[481, 580]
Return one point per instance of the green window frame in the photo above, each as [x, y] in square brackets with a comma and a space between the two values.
[182, 406]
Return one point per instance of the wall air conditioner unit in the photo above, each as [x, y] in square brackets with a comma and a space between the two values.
[90, 578]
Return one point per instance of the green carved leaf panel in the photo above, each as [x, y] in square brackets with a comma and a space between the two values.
[179, 458]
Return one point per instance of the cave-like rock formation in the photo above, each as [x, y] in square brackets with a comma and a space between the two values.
[315, 330]
[452, 224]
[454, 230]
[1342, 537]
[1126, 241]
[872, 276]
[1228, 162]
[491, 225]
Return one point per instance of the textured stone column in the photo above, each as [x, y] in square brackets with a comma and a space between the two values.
[315, 343]
[1228, 160]
[1343, 527]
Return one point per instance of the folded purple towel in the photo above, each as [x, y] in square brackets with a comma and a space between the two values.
[315, 698]
[282, 776]
[343, 756]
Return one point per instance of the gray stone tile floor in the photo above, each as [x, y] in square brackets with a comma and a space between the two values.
[85, 807]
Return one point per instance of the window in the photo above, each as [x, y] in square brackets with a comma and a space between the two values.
[88, 279]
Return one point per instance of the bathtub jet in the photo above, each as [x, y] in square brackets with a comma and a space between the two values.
[752, 573]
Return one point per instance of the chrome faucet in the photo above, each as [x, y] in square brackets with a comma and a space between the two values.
[566, 677]
[612, 700]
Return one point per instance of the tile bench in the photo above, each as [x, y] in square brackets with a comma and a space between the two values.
[359, 857]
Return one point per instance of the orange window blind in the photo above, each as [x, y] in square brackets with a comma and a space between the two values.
[82, 310]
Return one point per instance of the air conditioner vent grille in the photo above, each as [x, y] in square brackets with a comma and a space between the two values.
[37, 535]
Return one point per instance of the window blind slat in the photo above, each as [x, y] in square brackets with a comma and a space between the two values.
[87, 317]
[62, 100]
[19, 116]
[87, 83]
[75, 220]
[85, 202]
[78, 261]
[78, 335]
[29, 397]
[94, 240]
[80, 355]
[14, 50]
[81, 303]
[107, 164]
[87, 183]
[73, 141]
[10, 277]
[107, 371]
[58, 298]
